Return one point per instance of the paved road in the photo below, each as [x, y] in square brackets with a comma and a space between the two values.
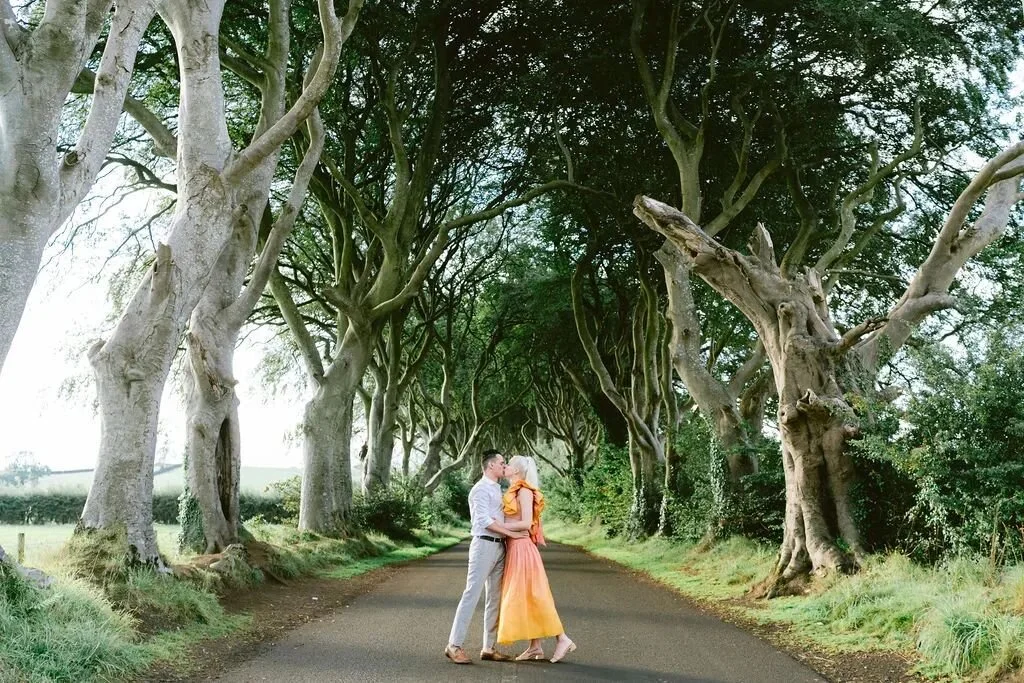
[626, 629]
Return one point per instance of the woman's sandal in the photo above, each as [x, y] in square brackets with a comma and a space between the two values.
[531, 654]
[571, 647]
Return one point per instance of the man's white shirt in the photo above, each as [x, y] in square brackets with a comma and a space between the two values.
[485, 507]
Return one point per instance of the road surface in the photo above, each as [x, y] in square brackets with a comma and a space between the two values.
[627, 629]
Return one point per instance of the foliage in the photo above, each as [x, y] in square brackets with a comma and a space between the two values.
[190, 516]
[757, 509]
[605, 496]
[704, 501]
[449, 504]
[288, 492]
[393, 511]
[956, 457]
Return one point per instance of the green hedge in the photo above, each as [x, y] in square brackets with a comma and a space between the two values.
[66, 508]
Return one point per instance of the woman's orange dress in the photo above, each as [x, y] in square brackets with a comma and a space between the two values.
[527, 608]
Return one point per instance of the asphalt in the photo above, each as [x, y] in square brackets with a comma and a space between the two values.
[627, 629]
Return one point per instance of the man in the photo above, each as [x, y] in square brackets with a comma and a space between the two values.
[486, 563]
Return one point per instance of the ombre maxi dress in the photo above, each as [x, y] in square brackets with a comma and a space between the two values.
[527, 609]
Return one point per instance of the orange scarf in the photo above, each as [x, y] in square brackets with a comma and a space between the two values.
[510, 506]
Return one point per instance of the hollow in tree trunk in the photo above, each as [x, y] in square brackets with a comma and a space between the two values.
[210, 520]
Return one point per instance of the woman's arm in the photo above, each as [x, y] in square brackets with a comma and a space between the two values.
[525, 496]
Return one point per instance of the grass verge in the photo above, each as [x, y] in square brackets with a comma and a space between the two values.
[958, 620]
[113, 626]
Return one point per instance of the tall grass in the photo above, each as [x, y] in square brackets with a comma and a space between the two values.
[99, 621]
[960, 620]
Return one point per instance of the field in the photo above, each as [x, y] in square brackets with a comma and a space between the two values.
[42, 541]
[254, 480]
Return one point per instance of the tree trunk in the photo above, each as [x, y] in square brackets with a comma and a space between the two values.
[645, 510]
[21, 251]
[815, 421]
[131, 366]
[327, 434]
[212, 440]
[432, 460]
[381, 437]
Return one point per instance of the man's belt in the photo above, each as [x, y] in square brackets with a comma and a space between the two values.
[492, 538]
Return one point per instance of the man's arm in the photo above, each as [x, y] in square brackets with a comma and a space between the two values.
[502, 530]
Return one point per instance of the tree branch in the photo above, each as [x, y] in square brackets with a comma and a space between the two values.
[335, 33]
[83, 163]
[300, 333]
[242, 307]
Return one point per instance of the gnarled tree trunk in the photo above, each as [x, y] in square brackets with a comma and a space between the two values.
[801, 342]
[792, 319]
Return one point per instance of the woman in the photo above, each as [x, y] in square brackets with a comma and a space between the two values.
[527, 609]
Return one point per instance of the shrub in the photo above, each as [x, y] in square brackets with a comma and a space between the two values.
[288, 493]
[449, 504]
[393, 511]
[607, 492]
[949, 476]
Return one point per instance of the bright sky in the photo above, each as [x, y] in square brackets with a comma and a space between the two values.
[64, 313]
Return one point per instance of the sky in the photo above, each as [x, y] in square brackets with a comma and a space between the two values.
[66, 311]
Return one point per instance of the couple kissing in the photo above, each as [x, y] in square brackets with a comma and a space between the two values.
[505, 565]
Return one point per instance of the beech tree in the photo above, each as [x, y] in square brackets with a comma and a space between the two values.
[816, 367]
[39, 186]
[417, 112]
[214, 180]
[213, 448]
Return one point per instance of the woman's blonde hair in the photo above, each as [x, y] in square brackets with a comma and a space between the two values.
[527, 467]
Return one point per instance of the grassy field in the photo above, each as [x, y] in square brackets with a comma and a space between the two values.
[962, 620]
[43, 541]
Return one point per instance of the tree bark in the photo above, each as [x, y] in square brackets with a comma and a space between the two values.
[382, 439]
[815, 420]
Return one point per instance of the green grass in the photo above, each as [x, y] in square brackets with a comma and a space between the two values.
[425, 545]
[44, 541]
[960, 620]
[77, 630]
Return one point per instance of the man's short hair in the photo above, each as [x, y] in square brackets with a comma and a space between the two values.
[489, 455]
